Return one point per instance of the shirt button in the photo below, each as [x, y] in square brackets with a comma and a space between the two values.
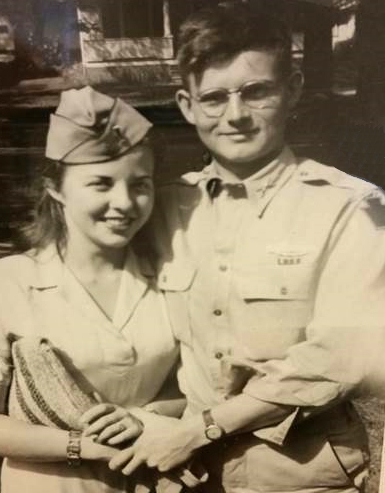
[223, 268]
[218, 355]
[218, 312]
[283, 290]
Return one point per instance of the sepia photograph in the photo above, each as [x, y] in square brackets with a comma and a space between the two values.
[192, 246]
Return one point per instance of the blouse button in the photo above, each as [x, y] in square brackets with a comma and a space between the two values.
[131, 357]
[217, 312]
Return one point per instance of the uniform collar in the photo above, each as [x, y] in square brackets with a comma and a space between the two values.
[285, 159]
[304, 170]
[259, 189]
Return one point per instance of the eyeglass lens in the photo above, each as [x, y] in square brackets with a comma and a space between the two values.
[254, 94]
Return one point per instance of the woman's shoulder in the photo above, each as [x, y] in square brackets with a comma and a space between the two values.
[21, 267]
[17, 266]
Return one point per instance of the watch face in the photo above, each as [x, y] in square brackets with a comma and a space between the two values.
[213, 432]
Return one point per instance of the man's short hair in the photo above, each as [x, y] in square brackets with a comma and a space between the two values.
[214, 35]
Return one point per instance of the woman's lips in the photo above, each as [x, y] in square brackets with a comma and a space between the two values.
[118, 223]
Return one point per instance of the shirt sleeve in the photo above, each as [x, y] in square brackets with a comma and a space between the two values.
[5, 367]
[346, 336]
[11, 310]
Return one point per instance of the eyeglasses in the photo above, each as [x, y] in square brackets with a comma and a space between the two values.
[255, 95]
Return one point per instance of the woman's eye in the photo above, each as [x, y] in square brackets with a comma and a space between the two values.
[142, 186]
[100, 185]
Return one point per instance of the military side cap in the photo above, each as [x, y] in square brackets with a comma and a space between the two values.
[91, 127]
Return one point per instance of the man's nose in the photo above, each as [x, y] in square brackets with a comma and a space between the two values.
[236, 110]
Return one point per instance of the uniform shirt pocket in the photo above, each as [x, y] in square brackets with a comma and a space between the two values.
[268, 281]
[277, 307]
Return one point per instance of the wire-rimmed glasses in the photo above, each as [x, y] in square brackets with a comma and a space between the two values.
[256, 95]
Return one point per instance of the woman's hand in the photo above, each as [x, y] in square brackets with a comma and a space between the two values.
[110, 424]
[96, 451]
[164, 444]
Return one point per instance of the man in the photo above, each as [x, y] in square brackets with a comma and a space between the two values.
[280, 262]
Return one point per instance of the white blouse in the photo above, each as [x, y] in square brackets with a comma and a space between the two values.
[125, 360]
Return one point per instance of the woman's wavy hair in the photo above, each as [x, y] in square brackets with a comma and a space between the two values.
[47, 225]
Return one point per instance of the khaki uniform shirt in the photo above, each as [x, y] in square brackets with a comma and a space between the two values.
[283, 279]
[125, 360]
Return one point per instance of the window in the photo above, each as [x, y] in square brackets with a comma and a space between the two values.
[132, 18]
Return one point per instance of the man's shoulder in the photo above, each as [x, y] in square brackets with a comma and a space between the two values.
[187, 180]
[180, 189]
[316, 174]
[334, 186]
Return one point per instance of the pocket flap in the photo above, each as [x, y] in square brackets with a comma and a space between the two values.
[274, 282]
[176, 276]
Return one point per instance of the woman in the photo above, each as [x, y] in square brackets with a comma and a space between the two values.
[83, 287]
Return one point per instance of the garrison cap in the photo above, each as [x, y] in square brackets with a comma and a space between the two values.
[91, 127]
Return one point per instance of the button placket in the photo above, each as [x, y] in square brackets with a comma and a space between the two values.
[216, 364]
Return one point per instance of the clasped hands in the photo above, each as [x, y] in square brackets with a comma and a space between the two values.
[158, 441]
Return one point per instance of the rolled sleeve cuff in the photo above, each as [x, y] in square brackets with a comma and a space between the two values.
[277, 434]
[280, 382]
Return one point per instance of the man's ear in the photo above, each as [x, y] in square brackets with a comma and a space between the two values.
[295, 85]
[183, 99]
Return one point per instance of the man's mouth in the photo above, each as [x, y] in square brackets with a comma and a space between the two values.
[242, 133]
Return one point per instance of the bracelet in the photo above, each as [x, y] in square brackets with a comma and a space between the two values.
[73, 448]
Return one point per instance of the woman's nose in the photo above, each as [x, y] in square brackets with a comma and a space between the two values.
[121, 197]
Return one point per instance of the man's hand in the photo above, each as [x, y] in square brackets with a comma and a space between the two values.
[110, 424]
[164, 444]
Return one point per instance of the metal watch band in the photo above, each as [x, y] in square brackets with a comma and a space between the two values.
[73, 448]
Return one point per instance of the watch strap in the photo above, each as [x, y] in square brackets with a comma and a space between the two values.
[208, 418]
[74, 448]
[212, 430]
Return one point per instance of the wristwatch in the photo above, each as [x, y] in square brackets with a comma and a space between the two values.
[212, 430]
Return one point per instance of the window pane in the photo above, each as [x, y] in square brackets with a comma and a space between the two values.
[132, 18]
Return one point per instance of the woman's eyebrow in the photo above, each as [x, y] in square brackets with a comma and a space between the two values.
[142, 177]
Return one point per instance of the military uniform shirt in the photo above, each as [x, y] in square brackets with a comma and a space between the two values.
[283, 281]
